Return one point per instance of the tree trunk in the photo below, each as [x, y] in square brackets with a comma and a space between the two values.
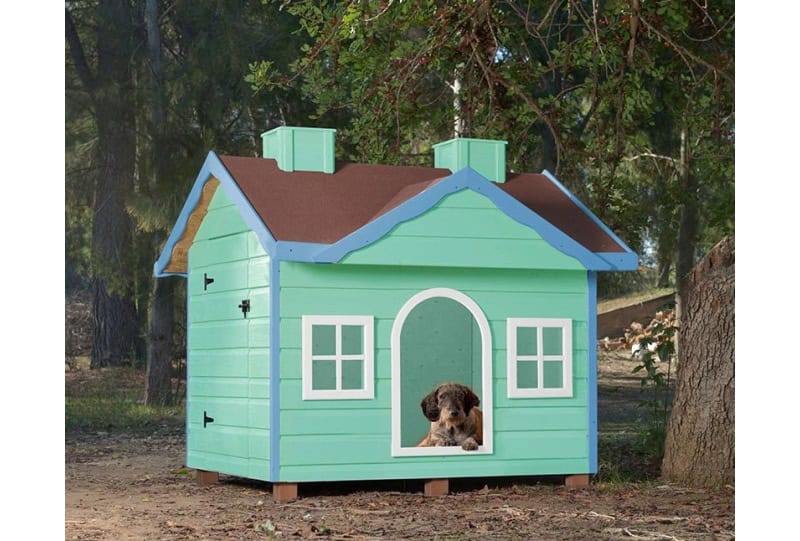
[158, 390]
[699, 448]
[687, 227]
[115, 332]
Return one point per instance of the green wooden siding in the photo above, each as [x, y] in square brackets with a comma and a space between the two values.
[465, 229]
[326, 440]
[228, 354]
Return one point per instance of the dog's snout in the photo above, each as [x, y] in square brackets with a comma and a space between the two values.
[454, 413]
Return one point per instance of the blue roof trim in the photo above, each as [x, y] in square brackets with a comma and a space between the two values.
[213, 167]
[297, 251]
[466, 178]
[586, 210]
[620, 261]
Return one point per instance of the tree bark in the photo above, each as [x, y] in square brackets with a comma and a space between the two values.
[158, 389]
[699, 448]
[111, 93]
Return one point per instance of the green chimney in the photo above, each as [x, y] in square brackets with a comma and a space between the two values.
[485, 156]
[301, 149]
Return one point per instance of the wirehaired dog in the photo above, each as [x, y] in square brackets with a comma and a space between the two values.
[455, 419]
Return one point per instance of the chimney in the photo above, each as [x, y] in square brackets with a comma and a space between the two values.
[301, 149]
[485, 156]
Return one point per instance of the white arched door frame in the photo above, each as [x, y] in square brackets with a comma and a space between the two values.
[486, 374]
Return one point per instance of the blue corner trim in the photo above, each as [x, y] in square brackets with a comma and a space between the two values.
[586, 210]
[274, 369]
[592, 315]
[466, 178]
[213, 167]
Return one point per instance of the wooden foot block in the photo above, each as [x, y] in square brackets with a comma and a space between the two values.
[437, 487]
[577, 481]
[284, 492]
[207, 477]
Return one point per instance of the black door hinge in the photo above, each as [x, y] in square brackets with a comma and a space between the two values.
[206, 281]
[206, 419]
[245, 306]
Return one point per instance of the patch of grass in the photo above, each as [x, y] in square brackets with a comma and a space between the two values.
[111, 399]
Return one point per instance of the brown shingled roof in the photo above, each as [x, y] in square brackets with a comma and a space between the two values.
[541, 195]
[322, 208]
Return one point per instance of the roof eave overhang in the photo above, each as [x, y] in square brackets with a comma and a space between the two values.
[212, 168]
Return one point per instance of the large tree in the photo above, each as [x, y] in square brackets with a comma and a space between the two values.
[101, 50]
[699, 448]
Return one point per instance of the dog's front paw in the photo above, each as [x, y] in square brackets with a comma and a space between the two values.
[470, 445]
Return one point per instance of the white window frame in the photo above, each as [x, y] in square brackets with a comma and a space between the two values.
[368, 356]
[486, 405]
[514, 323]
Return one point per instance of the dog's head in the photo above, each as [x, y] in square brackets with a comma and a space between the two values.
[449, 403]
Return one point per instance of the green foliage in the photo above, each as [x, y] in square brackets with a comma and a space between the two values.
[567, 86]
[656, 384]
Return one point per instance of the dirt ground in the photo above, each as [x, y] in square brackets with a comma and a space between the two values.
[123, 486]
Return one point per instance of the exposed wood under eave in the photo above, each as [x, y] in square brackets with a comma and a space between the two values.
[180, 253]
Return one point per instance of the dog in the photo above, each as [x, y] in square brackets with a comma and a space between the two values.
[455, 419]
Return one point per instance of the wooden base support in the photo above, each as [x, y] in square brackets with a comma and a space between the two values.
[577, 481]
[205, 477]
[437, 487]
[284, 492]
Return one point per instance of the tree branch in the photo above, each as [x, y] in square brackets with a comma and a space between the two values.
[683, 51]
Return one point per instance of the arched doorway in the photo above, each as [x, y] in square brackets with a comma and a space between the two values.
[439, 335]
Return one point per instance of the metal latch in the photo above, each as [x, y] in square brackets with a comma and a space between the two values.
[206, 281]
[245, 306]
[206, 419]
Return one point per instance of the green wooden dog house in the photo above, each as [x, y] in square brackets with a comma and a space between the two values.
[325, 300]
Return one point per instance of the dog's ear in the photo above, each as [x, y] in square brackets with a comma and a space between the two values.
[470, 399]
[430, 405]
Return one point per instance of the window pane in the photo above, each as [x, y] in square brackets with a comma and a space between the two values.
[323, 375]
[527, 341]
[352, 339]
[527, 374]
[552, 341]
[553, 374]
[323, 339]
[352, 374]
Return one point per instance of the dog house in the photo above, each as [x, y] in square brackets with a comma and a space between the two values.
[325, 300]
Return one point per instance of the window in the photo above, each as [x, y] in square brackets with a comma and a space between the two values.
[338, 357]
[539, 357]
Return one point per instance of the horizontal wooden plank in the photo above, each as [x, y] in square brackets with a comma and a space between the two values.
[226, 412]
[296, 302]
[221, 222]
[292, 398]
[459, 222]
[258, 362]
[531, 418]
[459, 252]
[336, 421]
[198, 386]
[220, 306]
[466, 199]
[249, 468]
[231, 441]
[218, 363]
[241, 333]
[376, 449]
[214, 251]
[403, 469]
[311, 275]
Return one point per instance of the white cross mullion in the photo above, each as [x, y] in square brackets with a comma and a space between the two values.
[540, 357]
